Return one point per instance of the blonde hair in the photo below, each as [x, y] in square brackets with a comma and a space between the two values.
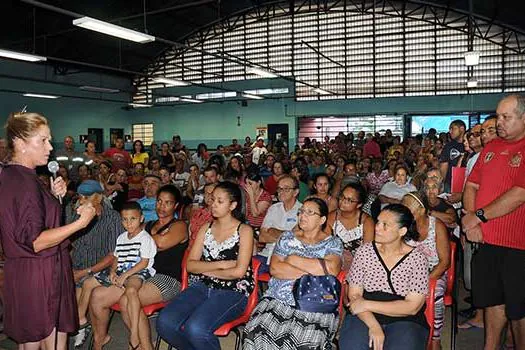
[22, 126]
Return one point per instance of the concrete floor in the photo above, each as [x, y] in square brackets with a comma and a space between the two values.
[471, 339]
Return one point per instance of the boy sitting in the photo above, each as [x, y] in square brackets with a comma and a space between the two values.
[133, 263]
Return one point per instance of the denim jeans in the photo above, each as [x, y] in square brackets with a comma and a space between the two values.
[400, 335]
[189, 320]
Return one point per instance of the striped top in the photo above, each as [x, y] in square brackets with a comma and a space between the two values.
[130, 252]
[97, 240]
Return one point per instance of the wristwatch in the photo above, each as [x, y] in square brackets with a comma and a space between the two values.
[480, 213]
[90, 272]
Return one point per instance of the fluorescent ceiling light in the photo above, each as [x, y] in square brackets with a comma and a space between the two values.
[472, 83]
[165, 99]
[321, 91]
[261, 72]
[255, 97]
[40, 96]
[140, 105]
[170, 82]
[471, 58]
[267, 91]
[99, 89]
[212, 95]
[113, 30]
[21, 56]
[192, 100]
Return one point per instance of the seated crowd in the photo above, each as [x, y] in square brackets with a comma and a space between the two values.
[381, 210]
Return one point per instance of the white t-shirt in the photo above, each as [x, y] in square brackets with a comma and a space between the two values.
[395, 191]
[181, 180]
[257, 152]
[276, 217]
[129, 252]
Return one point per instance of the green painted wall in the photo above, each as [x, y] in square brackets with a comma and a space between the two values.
[76, 110]
[216, 123]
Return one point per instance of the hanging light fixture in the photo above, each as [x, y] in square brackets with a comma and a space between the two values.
[113, 30]
[471, 58]
[21, 56]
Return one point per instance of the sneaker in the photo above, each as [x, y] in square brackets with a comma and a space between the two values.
[81, 337]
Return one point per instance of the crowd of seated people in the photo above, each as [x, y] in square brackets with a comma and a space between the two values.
[380, 208]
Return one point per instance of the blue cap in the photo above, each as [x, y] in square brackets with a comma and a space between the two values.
[88, 187]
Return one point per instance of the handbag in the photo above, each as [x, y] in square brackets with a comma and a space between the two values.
[317, 293]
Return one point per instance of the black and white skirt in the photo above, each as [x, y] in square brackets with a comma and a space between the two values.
[276, 325]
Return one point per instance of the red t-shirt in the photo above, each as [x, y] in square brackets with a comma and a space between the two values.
[257, 221]
[271, 185]
[501, 166]
[372, 149]
[120, 159]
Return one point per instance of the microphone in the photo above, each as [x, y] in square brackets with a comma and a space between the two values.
[52, 166]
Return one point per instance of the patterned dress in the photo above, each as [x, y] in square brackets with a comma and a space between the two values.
[275, 323]
[225, 250]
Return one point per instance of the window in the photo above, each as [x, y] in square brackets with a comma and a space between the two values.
[143, 132]
[319, 127]
[421, 124]
[349, 53]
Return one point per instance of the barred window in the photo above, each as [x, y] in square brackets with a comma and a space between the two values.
[143, 132]
[341, 52]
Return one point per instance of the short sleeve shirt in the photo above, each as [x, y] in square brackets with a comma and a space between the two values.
[409, 275]
[451, 154]
[287, 245]
[129, 252]
[277, 217]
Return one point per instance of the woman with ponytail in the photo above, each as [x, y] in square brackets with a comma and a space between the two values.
[387, 282]
[220, 257]
[434, 243]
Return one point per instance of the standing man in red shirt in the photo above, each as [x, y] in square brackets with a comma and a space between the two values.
[371, 147]
[119, 158]
[494, 200]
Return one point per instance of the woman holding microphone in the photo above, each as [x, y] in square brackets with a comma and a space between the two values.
[40, 307]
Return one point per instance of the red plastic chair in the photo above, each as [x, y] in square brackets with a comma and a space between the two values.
[265, 277]
[450, 294]
[341, 278]
[429, 310]
[149, 311]
[253, 299]
[184, 274]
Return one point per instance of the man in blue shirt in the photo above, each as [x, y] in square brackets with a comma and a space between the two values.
[151, 184]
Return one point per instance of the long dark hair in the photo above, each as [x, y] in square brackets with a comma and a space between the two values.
[235, 194]
[314, 180]
[141, 146]
[404, 219]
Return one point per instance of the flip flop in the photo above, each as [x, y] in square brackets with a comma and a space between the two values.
[136, 347]
[469, 325]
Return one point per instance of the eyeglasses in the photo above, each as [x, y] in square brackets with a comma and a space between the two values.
[307, 212]
[473, 134]
[285, 189]
[348, 200]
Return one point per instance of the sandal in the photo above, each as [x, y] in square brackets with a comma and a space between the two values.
[470, 325]
[136, 347]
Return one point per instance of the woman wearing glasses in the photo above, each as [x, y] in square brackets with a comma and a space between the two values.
[297, 253]
[350, 223]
